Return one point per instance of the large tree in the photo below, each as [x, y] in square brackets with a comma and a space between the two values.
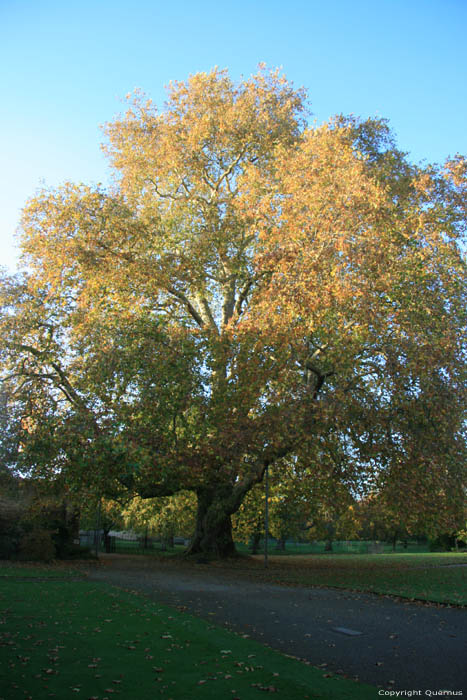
[248, 290]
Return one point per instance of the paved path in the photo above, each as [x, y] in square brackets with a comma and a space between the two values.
[381, 641]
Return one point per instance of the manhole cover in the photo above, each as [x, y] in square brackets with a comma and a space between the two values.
[347, 631]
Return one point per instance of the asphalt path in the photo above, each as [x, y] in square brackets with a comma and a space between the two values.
[388, 643]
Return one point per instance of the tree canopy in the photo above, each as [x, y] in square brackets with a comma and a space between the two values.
[249, 290]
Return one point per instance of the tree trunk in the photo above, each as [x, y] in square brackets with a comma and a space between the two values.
[331, 532]
[213, 533]
[255, 542]
[169, 541]
[107, 540]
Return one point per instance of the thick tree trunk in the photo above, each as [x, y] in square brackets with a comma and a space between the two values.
[213, 533]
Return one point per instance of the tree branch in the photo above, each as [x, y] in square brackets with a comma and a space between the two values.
[206, 313]
[229, 301]
[187, 303]
[242, 297]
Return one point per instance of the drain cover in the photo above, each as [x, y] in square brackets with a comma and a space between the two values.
[345, 630]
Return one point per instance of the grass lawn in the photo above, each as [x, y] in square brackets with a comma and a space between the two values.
[32, 570]
[431, 577]
[73, 639]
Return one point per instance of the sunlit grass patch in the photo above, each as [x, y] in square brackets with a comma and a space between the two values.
[437, 577]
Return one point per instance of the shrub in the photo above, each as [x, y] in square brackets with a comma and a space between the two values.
[443, 543]
[76, 551]
[37, 545]
[8, 545]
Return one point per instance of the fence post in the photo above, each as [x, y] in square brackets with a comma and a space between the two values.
[97, 533]
[266, 518]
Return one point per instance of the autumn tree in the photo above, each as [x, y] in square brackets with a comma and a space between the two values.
[306, 500]
[163, 517]
[290, 502]
[248, 290]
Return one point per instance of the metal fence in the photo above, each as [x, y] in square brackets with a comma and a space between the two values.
[338, 547]
[128, 542]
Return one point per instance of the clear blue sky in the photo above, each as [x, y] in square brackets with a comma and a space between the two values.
[66, 65]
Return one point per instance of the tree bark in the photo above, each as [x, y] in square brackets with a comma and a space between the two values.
[213, 533]
[280, 545]
[255, 542]
[331, 531]
[217, 502]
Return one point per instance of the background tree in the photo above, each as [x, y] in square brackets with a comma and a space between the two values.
[289, 506]
[307, 500]
[248, 290]
[164, 517]
[249, 520]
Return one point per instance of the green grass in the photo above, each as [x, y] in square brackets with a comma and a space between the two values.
[414, 576]
[345, 547]
[67, 639]
[156, 549]
[64, 638]
[31, 570]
